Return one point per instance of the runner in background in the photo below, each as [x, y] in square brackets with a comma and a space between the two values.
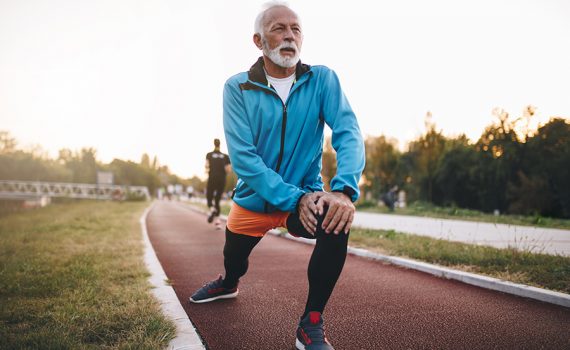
[217, 167]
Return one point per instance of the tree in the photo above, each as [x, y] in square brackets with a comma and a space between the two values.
[501, 154]
[382, 165]
[133, 174]
[548, 157]
[530, 196]
[7, 143]
[328, 170]
[145, 161]
[83, 164]
[427, 152]
[456, 176]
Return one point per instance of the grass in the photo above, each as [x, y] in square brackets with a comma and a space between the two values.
[539, 270]
[430, 210]
[72, 277]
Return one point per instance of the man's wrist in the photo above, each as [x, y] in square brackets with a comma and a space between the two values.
[347, 191]
[299, 202]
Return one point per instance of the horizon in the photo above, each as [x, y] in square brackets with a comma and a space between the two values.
[37, 149]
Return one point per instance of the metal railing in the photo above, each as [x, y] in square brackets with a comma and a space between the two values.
[33, 189]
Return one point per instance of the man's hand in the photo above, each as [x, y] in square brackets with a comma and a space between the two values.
[308, 211]
[340, 213]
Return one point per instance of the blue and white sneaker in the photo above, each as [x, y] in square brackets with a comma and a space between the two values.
[213, 290]
[310, 333]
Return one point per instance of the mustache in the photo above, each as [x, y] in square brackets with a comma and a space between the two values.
[288, 45]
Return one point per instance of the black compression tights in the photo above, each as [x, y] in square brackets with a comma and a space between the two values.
[324, 268]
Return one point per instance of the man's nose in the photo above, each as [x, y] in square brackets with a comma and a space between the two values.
[289, 36]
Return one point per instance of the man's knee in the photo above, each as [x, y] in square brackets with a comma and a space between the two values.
[340, 238]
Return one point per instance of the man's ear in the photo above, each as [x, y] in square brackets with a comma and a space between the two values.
[257, 41]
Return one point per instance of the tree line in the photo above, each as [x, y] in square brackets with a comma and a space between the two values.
[82, 167]
[510, 168]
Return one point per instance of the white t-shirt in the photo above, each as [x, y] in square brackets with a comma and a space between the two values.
[282, 86]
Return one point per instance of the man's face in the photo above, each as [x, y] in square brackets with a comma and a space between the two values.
[282, 37]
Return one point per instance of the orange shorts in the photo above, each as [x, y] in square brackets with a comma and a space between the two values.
[250, 223]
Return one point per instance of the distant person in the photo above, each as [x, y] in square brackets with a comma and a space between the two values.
[217, 166]
[390, 198]
[274, 117]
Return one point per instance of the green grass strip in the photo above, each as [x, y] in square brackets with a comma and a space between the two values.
[72, 276]
[539, 270]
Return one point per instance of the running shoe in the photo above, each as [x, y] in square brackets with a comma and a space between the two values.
[212, 215]
[310, 333]
[213, 290]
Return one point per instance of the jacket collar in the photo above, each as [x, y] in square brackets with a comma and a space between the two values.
[257, 73]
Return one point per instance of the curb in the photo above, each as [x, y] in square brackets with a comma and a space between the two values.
[186, 336]
[481, 281]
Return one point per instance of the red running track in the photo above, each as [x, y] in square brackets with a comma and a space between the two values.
[374, 306]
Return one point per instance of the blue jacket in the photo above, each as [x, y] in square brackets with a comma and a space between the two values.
[276, 148]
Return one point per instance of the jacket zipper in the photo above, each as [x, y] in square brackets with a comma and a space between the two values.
[281, 147]
[282, 144]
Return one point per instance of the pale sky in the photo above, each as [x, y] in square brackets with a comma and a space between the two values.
[133, 76]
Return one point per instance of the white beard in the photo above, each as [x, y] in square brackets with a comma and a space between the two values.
[276, 57]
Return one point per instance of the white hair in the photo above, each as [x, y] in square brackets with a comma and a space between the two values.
[260, 19]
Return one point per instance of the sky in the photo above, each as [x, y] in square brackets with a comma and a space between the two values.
[128, 77]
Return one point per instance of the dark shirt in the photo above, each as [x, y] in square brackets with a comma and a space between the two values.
[218, 162]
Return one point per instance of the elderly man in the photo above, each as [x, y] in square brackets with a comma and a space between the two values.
[274, 116]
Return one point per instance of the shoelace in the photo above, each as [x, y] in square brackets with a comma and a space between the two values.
[315, 332]
[212, 284]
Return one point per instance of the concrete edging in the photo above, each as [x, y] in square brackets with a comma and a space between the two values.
[186, 336]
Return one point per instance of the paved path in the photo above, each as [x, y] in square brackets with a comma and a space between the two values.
[534, 239]
[375, 306]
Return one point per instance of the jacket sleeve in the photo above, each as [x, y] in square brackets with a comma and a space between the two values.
[346, 138]
[247, 164]
[313, 182]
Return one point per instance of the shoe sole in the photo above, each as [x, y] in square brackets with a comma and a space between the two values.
[225, 296]
[300, 345]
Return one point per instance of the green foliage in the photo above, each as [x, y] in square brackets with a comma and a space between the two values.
[132, 174]
[364, 204]
[427, 153]
[26, 166]
[328, 170]
[382, 165]
[457, 175]
[510, 168]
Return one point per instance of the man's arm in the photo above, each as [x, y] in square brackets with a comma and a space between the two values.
[346, 139]
[247, 164]
[349, 146]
